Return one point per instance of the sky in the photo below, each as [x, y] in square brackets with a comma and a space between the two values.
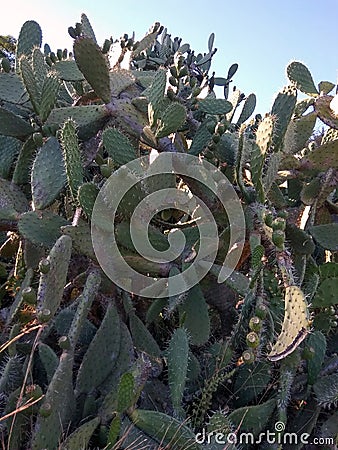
[262, 36]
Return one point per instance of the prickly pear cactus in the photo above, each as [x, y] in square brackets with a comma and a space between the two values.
[239, 334]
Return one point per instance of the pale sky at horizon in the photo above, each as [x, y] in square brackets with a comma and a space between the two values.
[262, 36]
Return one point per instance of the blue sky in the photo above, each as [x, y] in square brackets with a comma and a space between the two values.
[262, 36]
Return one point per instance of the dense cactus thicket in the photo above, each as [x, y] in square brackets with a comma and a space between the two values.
[86, 363]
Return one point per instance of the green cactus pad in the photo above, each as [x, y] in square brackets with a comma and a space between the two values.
[326, 390]
[81, 436]
[125, 392]
[322, 158]
[24, 162]
[12, 198]
[89, 118]
[87, 194]
[18, 299]
[39, 67]
[9, 150]
[177, 359]
[326, 235]
[93, 64]
[58, 406]
[81, 238]
[317, 343]
[283, 109]
[251, 381]
[30, 82]
[326, 294]
[295, 325]
[248, 109]
[30, 36]
[51, 284]
[49, 360]
[252, 418]
[12, 89]
[300, 241]
[197, 320]
[142, 338]
[120, 80]
[301, 76]
[72, 156]
[214, 106]
[118, 146]
[41, 227]
[68, 71]
[49, 92]
[165, 429]
[100, 358]
[324, 111]
[13, 125]
[87, 29]
[298, 133]
[171, 119]
[48, 174]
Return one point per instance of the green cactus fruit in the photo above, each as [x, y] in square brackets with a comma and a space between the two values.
[248, 109]
[196, 316]
[326, 235]
[51, 284]
[49, 93]
[48, 174]
[142, 338]
[30, 36]
[255, 324]
[93, 64]
[283, 109]
[171, 119]
[252, 339]
[125, 392]
[118, 146]
[29, 296]
[81, 436]
[317, 343]
[177, 359]
[301, 76]
[295, 324]
[41, 227]
[13, 125]
[100, 358]
[252, 418]
[49, 360]
[214, 106]
[58, 406]
[165, 429]
[326, 294]
[72, 156]
[278, 238]
[12, 89]
[326, 390]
